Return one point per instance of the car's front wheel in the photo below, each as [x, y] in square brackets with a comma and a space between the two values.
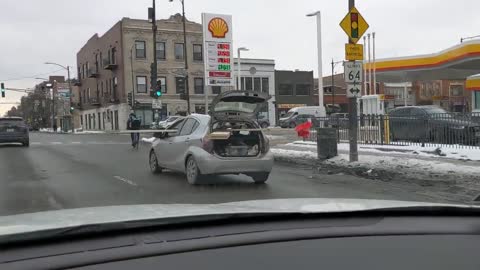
[260, 178]
[153, 162]
[193, 172]
[264, 125]
[292, 125]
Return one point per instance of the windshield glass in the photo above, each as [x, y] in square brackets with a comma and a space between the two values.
[10, 122]
[119, 104]
[235, 106]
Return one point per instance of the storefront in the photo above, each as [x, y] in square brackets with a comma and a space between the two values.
[473, 85]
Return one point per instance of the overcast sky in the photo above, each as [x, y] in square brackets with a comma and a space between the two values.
[35, 31]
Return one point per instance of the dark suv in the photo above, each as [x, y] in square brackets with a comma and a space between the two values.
[14, 130]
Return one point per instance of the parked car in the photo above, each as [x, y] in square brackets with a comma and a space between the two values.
[263, 121]
[296, 120]
[338, 120]
[300, 115]
[431, 124]
[219, 143]
[166, 122]
[14, 130]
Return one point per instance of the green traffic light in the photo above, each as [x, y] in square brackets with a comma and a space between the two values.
[158, 93]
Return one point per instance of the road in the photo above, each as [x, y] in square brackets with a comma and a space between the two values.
[71, 171]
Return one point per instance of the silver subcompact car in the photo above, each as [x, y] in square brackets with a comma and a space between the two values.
[228, 141]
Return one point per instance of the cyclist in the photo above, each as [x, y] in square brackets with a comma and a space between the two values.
[133, 123]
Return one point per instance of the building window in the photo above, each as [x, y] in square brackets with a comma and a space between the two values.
[216, 90]
[265, 85]
[79, 72]
[456, 90]
[197, 52]
[179, 51]
[163, 82]
[141, 84]
[248, 83]
[303, 90]
[140, 51]
[161, 55]
[198, 82]
[180, 84]
[257, 84]
[285, 90]
[476, 100]
[113, 56]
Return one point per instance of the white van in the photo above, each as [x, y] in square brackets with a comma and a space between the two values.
[289, 120]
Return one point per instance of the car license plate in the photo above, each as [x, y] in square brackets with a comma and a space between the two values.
[10, 130]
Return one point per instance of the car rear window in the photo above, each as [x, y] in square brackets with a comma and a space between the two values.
[11, 122]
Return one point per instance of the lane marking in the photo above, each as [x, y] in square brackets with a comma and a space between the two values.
[125, 180]
[76, 142]
[56, 143]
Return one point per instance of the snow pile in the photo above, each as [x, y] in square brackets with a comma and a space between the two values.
[148, 140]
[458, 152]
[275, 137]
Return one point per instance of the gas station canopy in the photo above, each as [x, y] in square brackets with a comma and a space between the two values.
[455, 63]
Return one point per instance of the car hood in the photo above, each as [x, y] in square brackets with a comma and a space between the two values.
[174, 213]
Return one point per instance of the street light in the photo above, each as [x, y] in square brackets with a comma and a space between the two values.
[239, 50]
[67, 68]
[318, 15]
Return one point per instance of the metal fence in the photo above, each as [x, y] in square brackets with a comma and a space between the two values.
[441, 130]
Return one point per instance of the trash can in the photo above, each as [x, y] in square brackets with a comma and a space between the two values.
[326, 143]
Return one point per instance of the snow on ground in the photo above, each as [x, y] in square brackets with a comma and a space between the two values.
[275, 137]
[148, 140]
[385, 162]
[445, 151]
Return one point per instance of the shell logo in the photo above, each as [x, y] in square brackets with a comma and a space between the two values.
[218, 27]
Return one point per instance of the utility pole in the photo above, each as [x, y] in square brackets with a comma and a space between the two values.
[353, 112]
[186, 59]
[154, 68]
[333, 85]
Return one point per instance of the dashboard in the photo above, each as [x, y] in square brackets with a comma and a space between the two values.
[291, 242]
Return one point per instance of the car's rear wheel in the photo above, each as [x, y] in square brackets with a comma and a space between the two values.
[292, 125]
[193, 172]
[260, 178]
[264, 125]
[26, 144]
[153, 162]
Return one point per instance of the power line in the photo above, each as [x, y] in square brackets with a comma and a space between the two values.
[31, 77]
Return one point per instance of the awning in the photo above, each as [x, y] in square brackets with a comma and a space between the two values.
[455, 63]
[473, 83]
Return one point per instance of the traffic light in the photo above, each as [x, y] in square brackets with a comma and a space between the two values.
[2, 87]
[354, 25]
[157, 90]
[72, 109]
[130, 99]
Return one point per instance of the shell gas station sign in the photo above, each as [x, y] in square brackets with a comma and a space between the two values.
[217, 40]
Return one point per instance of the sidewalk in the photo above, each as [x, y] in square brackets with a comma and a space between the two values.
[456, 174]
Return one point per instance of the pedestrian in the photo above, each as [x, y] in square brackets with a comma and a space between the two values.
[133, 123]
[54, 127]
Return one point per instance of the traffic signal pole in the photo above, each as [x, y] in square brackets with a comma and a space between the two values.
[187, 90]
[353, 113]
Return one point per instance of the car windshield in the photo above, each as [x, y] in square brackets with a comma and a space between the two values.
[107, 106]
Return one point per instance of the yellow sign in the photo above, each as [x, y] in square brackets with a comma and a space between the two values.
[354, 25]
[353, 52]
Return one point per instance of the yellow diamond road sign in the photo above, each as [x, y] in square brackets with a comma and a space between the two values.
[354, 25]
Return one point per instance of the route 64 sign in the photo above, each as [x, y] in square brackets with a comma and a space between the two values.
[353, 72]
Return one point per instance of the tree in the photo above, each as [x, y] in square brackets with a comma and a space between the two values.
[14, 112]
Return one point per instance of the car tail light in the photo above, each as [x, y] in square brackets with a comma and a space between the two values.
[267, 144]
[207, 144]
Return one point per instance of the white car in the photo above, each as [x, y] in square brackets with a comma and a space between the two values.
[229, 141]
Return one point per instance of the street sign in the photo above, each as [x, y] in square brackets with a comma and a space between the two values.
[354, 25]
[156, 104]
[353, 52]
[218, 49]
[353, 72]
[353, 90]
